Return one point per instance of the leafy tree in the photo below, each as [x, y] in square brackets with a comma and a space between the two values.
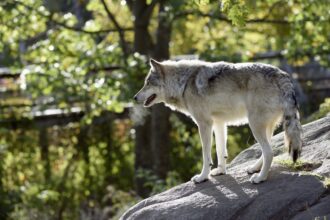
[87, 58]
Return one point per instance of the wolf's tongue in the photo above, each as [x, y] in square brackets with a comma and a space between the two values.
[150, 99]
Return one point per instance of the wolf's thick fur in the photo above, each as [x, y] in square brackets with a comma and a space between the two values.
[219, 94]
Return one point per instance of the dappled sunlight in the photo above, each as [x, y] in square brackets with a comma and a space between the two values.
[74, 144]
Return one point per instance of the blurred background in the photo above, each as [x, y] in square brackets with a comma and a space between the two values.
[72, 143]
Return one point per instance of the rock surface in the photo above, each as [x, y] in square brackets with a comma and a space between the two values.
[287, 194]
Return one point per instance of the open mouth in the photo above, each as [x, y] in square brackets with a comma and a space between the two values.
[150, 99]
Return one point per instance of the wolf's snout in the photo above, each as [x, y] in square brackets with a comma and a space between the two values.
[135, 98]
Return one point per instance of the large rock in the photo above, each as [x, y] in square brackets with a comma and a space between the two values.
[287, 194]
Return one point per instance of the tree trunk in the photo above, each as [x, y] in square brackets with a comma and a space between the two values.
[143, 155]
[108, 130]
[82, 14]
[152, 137]
[43, 143]
[160, 141]
[83, 148]
[142, 38]
[82, 144]
[160, 124]
[163, 35]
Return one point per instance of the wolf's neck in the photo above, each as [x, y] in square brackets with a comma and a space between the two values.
[175, 97]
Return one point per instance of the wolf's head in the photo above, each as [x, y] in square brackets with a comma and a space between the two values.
[152, 91]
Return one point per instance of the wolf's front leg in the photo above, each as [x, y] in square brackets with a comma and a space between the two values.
[220, 131]
[205, 132]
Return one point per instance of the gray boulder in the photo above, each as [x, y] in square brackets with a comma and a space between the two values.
[291, 192]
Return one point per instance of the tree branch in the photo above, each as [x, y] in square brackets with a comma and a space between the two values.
[151, 7]
[222, 17]
[269, 21]
[118, 27]
[89, 32]
[268, 55]
[95, 70]
[281, 54]
[129, 4]
[271, 8]
[218, 16]
[74, 28]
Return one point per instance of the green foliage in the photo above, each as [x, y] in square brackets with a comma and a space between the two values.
[299, 165]
[327, 182]
[324, 108]
[74, 179]
[236, 10]
[202, 2]
[156, 184]
[309, 30]
[323, 111]
[68, 62]
[118, 201]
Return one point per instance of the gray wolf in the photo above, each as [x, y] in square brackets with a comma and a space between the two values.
[216, 95]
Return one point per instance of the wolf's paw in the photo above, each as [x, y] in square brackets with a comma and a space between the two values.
[199, 178]
[218, 171]
[256, 178]
[252, 170]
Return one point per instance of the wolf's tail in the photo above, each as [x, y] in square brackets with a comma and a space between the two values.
[291, 123]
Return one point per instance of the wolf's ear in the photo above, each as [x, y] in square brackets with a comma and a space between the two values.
[157, 66]
[154, 63]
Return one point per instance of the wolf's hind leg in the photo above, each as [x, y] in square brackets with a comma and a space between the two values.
[256, 166]
[220, 131]
[269, 132]
[205, 131]
[259, 130]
